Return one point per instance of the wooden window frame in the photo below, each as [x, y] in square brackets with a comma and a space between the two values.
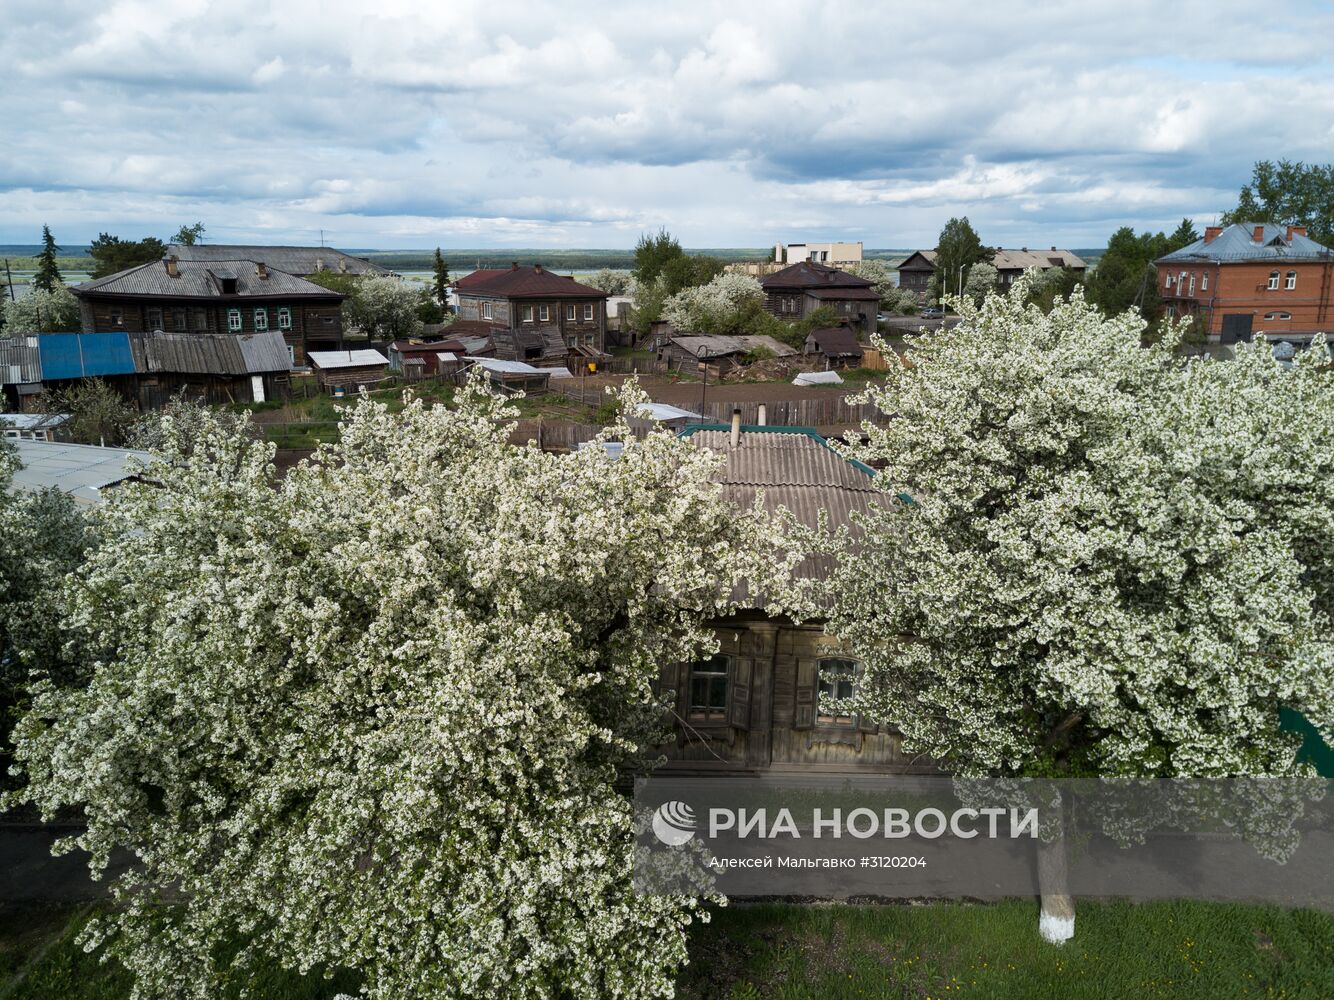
[258, 315]
[284, 318]
[1273, 281]
[718, 678]
[544, 314]
[486, 311]
[570, 314]
[1290, 281]
[527, 314]
[157, 324]
[235, 323]
[588, 312]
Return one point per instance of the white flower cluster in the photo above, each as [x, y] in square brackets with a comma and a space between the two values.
[368, 716]
[715, 307]
[1117, 561]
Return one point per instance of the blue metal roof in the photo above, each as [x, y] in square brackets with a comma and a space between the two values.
[1237, 242]
[85, 355]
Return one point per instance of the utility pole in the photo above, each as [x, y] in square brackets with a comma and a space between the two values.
[9, 280]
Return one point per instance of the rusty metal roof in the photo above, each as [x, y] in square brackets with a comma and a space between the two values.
[20, 360]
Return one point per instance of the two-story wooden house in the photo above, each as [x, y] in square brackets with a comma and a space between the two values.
[1251, 278]
[234, 296]
[536, 316]
[795, 292]
[761, 703]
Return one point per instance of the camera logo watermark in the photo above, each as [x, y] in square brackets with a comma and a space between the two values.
[674, 823]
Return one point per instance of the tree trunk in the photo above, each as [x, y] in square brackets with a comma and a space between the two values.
[1056, 923]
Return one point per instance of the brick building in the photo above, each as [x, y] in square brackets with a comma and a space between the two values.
[232, 296]
[1251, 278]
[534, 315]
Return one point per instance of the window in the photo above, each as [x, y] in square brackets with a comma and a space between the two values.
[1273, 280]
[1278, 315]
[201, 319]
[708, 688]
[1192, 282]
[284, 318]
[569, 313]
[291, 355]
[486, 310]
[527, 314]
[1292, 280]
[178, 320]
[1168, 282]
[588, 311]
[1204, 281]
[543, 313]
[233, 319]
[571, 342]
[155, 319]
[117, 318]
[1181, 282]
[261, 319]
[837, 680]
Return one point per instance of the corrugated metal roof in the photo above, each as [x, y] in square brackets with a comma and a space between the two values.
[836, 341]
[80, 470]
[1237, 242]
[203, 279]
[211, 353]
[665, 411]
[524, 283]
[33, 421]
[511, 367]
[85, 355]
[718, 345]
[20, 360]
[797, 471]
[346, 359]
[293, 260]
[806, 275]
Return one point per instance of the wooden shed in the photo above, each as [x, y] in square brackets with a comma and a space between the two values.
[348, 368]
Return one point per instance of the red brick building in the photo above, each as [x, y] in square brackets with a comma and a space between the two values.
[1251, 279]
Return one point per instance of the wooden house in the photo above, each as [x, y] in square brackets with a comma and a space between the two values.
[756, 706]
[795, 292]
[215, 296]
[535, 316]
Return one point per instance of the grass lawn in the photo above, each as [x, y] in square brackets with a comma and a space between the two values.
[1209, 951]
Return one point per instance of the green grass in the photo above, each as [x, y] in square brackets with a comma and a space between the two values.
[1178, 949]
[1166, 949]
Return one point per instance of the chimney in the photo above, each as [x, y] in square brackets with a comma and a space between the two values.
[1212, 233]
[319, 263]
[1053, 248]
[172, 269]
[1258, 235]
[1024, 250]
[537, 268]
[1296, 231]
[763, 413]
[514, 265]
[736, 427]
[262, 270]
[342, 265]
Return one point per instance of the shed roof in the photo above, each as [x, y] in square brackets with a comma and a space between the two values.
[85, 355]
[203, 280]
[718, 346]
[346, 359]
[511, 367]
[81, 470]
[1237, 242]
[211, 353]
[836, 342]
[818, 378]
[33, 421]
[20, 360]
[294, 260]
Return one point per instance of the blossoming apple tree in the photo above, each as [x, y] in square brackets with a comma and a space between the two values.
[1116, 561]
[367, 717]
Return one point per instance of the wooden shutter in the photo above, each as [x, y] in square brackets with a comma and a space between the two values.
[738, 702]
[808, 692]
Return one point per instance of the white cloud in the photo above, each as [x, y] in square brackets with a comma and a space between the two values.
[489, 124]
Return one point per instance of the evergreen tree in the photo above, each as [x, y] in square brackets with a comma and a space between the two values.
[113, 254]
[48, 276]
[1184, 236]
[441, 283]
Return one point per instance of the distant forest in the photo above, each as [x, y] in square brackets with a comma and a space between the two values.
[560, 260]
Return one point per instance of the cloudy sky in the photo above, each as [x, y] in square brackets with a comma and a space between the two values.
[405, 123]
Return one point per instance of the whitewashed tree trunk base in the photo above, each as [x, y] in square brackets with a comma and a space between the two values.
[1055, 928]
